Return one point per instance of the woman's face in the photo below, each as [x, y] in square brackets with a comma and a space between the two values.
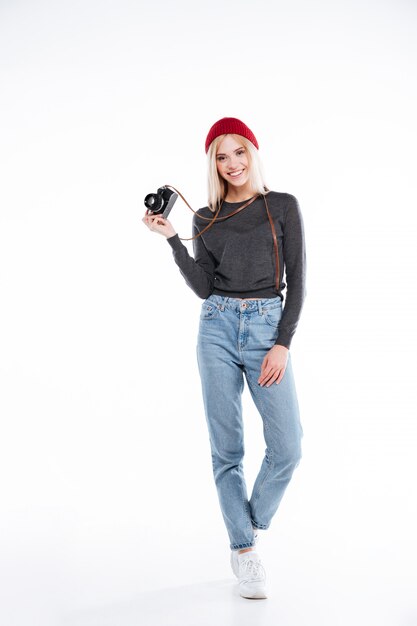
[232, 162]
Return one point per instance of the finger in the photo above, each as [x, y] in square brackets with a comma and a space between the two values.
[281, 376]
[265, 368]
[273, 378]
[266, 375]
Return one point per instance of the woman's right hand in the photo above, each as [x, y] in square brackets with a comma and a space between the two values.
[159, 225]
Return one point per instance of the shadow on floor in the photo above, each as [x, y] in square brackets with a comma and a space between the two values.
[214, 603]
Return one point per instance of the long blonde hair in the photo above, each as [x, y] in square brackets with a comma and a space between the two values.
[217, 186]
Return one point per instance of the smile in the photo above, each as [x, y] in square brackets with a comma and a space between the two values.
[236, 174]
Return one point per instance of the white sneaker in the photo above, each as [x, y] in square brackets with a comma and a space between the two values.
[251, 575]
[234, 562]
[234, 553]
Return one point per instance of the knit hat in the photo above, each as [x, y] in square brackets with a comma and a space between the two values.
[230, 125]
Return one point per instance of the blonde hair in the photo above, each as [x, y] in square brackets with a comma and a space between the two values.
[217, 186]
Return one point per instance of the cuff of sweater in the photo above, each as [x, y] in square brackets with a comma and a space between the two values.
[175, 241]
[284, 340]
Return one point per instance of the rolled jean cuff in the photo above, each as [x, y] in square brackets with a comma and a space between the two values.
[241, 546]
[260, 526]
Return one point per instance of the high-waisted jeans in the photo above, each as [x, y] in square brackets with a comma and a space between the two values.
[234, 337]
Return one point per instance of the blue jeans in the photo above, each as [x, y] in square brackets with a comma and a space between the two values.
[233, 338]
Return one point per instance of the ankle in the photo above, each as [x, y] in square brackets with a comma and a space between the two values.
[245, 550]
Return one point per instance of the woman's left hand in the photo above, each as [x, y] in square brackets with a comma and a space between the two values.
[273, 366]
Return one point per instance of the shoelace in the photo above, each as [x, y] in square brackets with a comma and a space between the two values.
[251, 569]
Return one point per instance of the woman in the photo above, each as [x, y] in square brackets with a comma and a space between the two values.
[238, 269]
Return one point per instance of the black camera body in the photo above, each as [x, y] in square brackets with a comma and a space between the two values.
[161, 202]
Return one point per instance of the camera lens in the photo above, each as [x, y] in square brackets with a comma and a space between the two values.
[153, 201]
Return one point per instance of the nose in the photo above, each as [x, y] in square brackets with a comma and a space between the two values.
[234, 163]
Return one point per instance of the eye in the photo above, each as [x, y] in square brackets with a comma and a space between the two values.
[220, 158]
[241, 152]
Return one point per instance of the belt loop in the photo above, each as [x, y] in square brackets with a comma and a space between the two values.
[260, 307]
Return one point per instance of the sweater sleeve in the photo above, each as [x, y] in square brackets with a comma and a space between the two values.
[295, 268]
[198, 271]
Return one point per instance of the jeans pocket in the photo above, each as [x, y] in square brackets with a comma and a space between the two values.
[272, 316]
[209, 310]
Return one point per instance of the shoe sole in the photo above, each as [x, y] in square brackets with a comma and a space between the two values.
[257, 595]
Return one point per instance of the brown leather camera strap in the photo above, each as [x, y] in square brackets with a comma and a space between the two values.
[219, 219]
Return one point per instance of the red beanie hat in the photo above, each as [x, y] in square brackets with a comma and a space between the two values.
[230, 125]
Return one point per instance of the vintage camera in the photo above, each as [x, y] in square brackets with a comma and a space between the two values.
[161, 202]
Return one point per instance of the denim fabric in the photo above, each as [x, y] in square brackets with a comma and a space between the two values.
[233, 338]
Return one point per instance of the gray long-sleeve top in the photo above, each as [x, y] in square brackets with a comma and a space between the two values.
[236, 257]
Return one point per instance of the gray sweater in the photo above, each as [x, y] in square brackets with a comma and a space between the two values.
[236, 257]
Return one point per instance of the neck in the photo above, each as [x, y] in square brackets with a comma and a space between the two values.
[238, 195]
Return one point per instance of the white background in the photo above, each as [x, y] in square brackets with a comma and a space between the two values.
[108, 509]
